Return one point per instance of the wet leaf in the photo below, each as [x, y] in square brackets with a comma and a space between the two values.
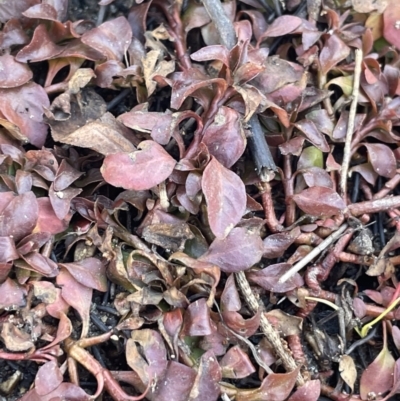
[268, 278]
[225, 138]
[240, 250]
[319, 201]
[348, 371]
[377, 378]
[143, 169]
[225, 195]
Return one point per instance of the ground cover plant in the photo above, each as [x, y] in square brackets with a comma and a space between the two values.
[199, 200]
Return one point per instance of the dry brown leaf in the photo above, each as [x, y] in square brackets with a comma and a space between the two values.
[152, 66]
[348, 370]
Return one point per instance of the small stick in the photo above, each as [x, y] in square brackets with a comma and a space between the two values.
[257, 143]
[350, 125]
[374, 206]
[279, 346]
[222, 22]
[315, 252]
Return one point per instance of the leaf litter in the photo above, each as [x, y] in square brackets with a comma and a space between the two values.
[146, 249]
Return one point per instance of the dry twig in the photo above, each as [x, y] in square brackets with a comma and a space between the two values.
[350, 125]
[315, 252]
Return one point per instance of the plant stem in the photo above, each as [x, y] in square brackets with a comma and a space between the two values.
[350, 125]
[315, 252]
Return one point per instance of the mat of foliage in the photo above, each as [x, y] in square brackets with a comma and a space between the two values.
[144, 255]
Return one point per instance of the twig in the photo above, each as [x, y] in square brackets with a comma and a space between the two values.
[279, 346]
[374, 206]
[315, 252]
[350, 125]
[246, 341]
[222, 22]
[257, 143]
[259, 148]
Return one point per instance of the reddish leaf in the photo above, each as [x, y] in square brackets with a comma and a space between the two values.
[12, 295]
[268, 278]
[317, 177]
[334, 51]
[47, 220]
[64, 330]
[65, 391]
[230, 300]
[23, 106]
[225, 195]
[391, 18]
[76, 295]
[282, 26]
[143, 169]
[311, 132]
[319, 201]
[112, 38]
[244, 327]
[197, 320]
[154, 351]
[225, 138]
[19, 217]
[8, 251]
[41, 264]
[309, 391]
[382, 159]
[240, 250]
[12, 9]
[90, 272]
[176, 383]
[276, 244]
[48, 378]
[12, 73]
[275, 387]
[377, 378]
[236, 364]
[206, 384]
[40, 48]
[66, 175]
[213, 52]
